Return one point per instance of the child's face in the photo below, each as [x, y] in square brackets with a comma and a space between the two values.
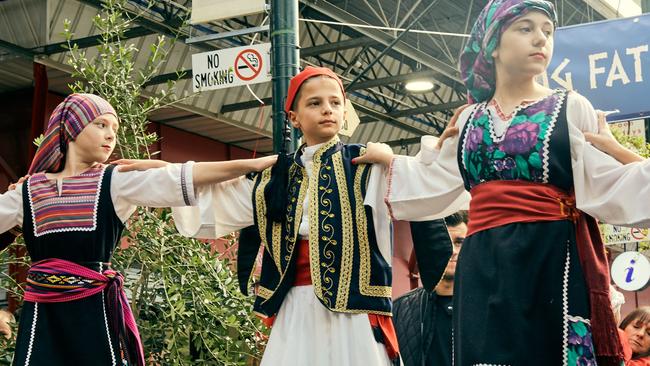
[526, 46]
[319, 111]
[96, 141]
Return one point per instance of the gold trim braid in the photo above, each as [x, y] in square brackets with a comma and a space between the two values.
[260, 203]
[314, 221]
[347, 250]
[364, 244]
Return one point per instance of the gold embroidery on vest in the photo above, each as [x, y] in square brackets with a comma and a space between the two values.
[296, 220]
[260, 202]
[297, 217]
[264, 292]
[276, 240]
[364, 244]
[347, 250]
[315, 226]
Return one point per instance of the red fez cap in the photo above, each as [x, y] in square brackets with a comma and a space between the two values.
[297, 81]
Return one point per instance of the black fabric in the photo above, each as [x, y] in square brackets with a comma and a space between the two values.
[6, 239]
[433, 249]
[249, 245]
[413, 319]
[276, 191]
[508, 294]
[439, 353]
[71, 333]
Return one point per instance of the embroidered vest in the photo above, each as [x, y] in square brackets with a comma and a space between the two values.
[533, 148]
[348, 272]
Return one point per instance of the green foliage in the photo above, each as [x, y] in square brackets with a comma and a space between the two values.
[184, 297]
[639, 146]
[186, 300]
[634, 143]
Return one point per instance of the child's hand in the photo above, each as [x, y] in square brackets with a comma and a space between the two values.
[452, 129]
[127, 165]
[376, 152]
[260, 164]
[13, 186]
[603, 140]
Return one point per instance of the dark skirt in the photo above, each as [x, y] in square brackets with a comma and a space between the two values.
[520, 298]
[69, 333]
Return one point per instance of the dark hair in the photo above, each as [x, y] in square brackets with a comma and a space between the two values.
[457, 218]
[641, 314]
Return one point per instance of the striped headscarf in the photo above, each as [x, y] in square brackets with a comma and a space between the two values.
[67, 121]
[476, 61]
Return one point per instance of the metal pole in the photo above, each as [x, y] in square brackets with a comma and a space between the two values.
[285, 59]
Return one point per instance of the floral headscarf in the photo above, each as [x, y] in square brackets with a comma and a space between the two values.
[476, 61]
[67, 121]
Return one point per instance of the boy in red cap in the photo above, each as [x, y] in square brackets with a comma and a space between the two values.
[326, 273]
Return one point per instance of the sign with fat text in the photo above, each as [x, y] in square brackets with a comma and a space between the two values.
[608, 62]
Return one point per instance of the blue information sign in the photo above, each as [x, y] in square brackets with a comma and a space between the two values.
[608, 62]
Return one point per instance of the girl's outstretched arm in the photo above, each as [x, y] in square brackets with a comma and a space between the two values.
[205, 172]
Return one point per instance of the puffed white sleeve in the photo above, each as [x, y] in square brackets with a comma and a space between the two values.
[170, 186]
[605, 189]
[11, 209]
[221, 209]
[375, 192]
[429, 185]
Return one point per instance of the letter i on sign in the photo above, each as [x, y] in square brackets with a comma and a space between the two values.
[630, 272]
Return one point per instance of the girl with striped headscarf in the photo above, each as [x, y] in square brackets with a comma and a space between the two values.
[532, 280]
[72, 210]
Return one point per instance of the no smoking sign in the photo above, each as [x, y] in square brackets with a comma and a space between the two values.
[248, 64]
[231, 67]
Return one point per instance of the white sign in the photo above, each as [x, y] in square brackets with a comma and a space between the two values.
[631, 271]
[208, 10]
[613, 234]
[231, 67]
[351, 120]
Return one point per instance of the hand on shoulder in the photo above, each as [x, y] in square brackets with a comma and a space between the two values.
[376, 152]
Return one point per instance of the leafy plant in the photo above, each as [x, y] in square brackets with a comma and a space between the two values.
[639, 146]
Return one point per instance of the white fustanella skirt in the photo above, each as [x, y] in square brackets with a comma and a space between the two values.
[306, 333]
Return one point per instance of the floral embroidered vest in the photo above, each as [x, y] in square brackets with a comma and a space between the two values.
[534, 147]
[348, 272]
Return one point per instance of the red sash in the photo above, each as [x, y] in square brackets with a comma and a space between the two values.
[57, 280]
[499, 203]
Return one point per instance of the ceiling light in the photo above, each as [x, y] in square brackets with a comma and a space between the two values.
[419, 85]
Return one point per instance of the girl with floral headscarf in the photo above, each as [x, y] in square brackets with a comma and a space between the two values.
[72, 210]
[532, 280]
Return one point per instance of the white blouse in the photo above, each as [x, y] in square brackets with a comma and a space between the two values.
[163, 187]
[226, 207]
[429, 185]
